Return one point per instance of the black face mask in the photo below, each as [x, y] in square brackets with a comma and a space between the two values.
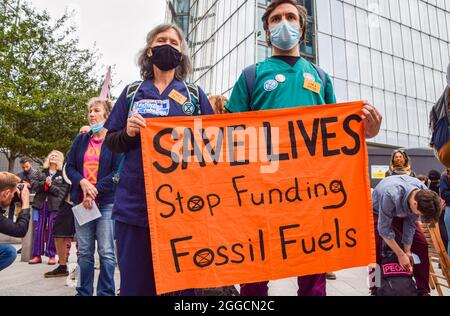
[165, 57]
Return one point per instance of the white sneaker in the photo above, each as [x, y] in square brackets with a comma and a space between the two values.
[72, 278]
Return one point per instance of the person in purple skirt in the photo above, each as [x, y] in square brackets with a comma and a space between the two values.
[50, 190]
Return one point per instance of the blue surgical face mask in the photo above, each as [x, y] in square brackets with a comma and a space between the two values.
[95, 128]
[285, 35]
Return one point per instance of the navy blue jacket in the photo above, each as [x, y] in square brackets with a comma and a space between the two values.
[108, 165]
[444, 189]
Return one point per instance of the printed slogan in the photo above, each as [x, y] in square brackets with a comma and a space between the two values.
[248, 197]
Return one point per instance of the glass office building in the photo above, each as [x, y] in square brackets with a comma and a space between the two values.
[393, 53]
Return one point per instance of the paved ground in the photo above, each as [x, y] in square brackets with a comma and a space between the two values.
[22, 279]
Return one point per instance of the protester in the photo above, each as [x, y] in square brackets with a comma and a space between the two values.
[63, 229]
[432, 182]
[90, 168]
[435, 178]
[400, 164]
[9, 187]
[444, 189]
[27, 176]
[50, 191]
[83, 130]
[398, 202]
[287, 80]
[439, 125]
[164, 65]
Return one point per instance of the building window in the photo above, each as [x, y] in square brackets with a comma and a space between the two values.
[352, 62]
[364, 61]
[337, 18]
[263, 52]
[412, 116]
[354, 93]
[388, 72]
[181, 6]
[325, 53]
[385, 28]
[340, 69]
[391, 113]
[377, 66]
[323, 17]
[351, 31]
[363, 27]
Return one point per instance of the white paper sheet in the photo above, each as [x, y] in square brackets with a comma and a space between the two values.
[84, 215]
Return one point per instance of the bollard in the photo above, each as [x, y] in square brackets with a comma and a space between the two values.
[27, 241]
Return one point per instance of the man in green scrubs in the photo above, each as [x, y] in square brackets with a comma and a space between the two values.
[280, 84]
[287, 80]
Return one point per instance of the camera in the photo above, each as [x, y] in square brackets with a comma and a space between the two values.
[18, 195]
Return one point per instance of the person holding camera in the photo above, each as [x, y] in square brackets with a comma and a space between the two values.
[10, 188]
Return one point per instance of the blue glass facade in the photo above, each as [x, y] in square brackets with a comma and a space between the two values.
[393, 53]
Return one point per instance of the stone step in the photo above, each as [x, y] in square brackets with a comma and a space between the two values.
[9, 240]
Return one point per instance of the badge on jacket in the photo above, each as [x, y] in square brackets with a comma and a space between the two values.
[270, 85]
[177, 97]
[188, 108]
[312, 86]
[153, 107]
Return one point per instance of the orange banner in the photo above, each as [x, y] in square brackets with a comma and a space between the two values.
[247, 197]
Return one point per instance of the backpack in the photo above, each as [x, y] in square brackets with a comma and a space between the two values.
[132, 89]
[395, 280]
[250, 78]
[440, 128]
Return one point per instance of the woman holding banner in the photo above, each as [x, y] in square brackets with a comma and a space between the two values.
[164, 65]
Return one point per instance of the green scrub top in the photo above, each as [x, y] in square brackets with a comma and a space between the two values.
[287, 92]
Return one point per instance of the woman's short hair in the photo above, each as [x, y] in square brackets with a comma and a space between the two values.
[107, 105]
[59, 165]
[145, 64]
[8, 181]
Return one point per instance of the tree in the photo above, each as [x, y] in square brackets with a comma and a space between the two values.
[45, 82]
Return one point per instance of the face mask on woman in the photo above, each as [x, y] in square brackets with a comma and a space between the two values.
[285, 35]
[97, 127]
[165, 57]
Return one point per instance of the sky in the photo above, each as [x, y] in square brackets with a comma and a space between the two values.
[117, 28]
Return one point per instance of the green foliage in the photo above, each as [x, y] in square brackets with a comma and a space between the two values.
[45, 82]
